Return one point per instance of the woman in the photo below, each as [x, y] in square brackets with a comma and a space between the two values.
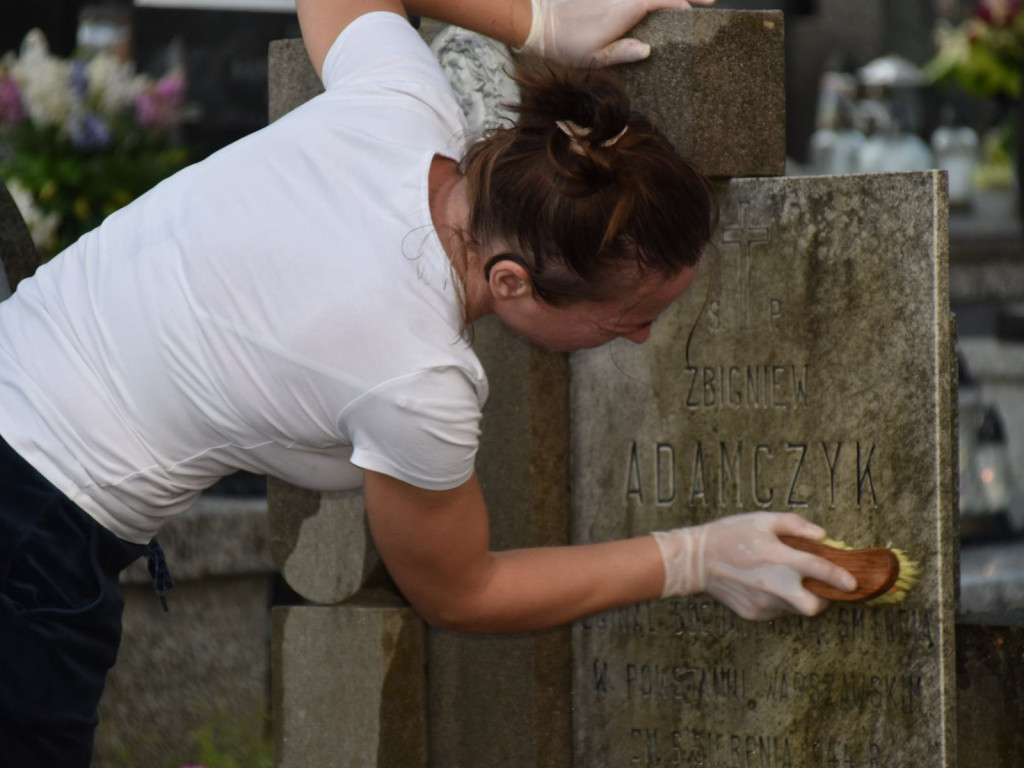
[297, 304]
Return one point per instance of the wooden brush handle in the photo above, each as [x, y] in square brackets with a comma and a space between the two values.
[875, 569]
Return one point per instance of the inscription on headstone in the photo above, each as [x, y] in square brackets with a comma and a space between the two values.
[808, 370]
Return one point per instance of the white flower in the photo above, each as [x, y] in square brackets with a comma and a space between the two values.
[42, 226]
[113, 84]
[44, 82]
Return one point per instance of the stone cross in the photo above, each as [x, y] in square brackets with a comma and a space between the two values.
[744, 235]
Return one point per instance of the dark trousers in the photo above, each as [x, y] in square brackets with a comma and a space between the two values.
[60, 619]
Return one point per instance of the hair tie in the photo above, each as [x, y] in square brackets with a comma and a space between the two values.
[577, 132]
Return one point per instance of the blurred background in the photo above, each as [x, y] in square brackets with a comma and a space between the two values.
[106, 97]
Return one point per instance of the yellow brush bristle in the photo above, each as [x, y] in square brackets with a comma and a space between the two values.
[835, 544]
[909, 571]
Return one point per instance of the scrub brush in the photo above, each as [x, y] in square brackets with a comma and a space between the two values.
[883, 574]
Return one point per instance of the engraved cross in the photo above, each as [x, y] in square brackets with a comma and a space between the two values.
[745, 236]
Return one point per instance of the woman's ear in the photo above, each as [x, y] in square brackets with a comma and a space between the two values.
[509, 280]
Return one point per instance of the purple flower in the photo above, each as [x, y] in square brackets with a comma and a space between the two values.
[147, 111]
[171, 88]
[79, 79]
[158, 106]
[998, 13]
[88, 130]
[11, 108]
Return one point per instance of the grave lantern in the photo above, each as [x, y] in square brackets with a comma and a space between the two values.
[992, 460]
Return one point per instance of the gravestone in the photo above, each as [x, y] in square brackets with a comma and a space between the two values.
[809, 369]
[17, 252]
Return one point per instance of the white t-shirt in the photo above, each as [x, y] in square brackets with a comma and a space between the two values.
[284, 307]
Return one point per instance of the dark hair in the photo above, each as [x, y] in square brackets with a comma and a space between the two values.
[573, 208]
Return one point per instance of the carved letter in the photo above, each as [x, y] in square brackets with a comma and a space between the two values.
[799, 385]
[777, 401]
[714, 316]
[633, 486]
[690, 402]
[730, 469]
[668, 452]
[698, 486]
[735, 393]
[762, 501]
[754, 385]
[832, 470]
[866, 475]
[709, 386]
[794, 502]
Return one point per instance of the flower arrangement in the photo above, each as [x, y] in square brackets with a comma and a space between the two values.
[984, 54]
[81, 138]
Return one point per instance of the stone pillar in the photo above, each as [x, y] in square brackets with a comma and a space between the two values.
[349, 684]
[505, 701]
[715, 83]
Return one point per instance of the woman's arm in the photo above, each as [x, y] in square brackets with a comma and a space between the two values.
[323, 20]
[435, 544]
[580, 32]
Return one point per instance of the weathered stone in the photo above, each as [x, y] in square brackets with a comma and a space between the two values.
[217, 536]
[716, 80]
[349, 686]
[505, 702]
[808, 370]
[320, 541]
[291, 77]
[17, 252]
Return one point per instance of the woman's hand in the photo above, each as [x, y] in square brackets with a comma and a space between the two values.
[740, 561]
[588, 32]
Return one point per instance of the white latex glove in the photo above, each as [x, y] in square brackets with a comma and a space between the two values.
[740, 561]
[587, 32]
